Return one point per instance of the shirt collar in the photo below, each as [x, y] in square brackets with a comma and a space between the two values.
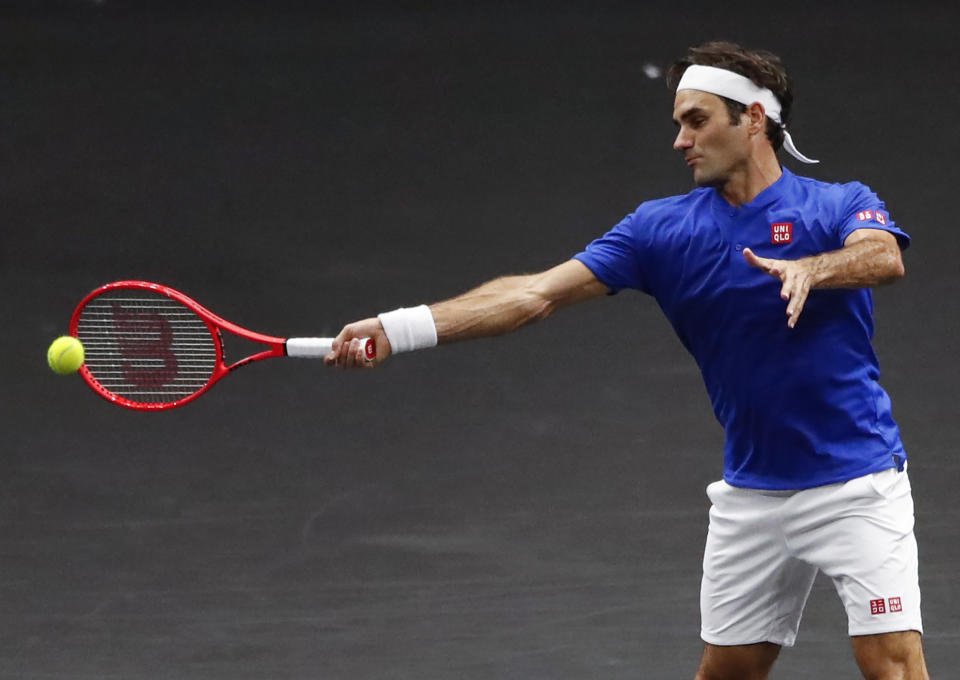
[769, 195]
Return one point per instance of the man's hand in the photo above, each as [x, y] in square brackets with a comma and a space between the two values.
[797, 277]
[347, 350]
[869, 257]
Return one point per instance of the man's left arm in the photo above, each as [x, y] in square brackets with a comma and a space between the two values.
[869, 257]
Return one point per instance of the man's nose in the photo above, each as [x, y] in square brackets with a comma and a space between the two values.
[683, 141]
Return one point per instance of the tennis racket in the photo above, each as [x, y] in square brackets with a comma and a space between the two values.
[151, 348]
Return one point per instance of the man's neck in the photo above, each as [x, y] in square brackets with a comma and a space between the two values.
[759, 172]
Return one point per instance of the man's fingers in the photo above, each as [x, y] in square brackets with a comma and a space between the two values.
[340, 347]
[795, 288]
[349, 347]
[334, 353]
[794, 309]
[347, 355]
[358, 352]
[753, 260]
[786, 290]
[798, 300]
[793, 274]
[771, 267]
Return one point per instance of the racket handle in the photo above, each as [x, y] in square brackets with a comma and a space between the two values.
[317, 348]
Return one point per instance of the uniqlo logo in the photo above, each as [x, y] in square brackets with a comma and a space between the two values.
[781, 232]
[895, 605]
[878, 607]
[879, 216]
[865, 215]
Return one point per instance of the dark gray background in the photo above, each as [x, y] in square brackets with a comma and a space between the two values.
[527, 507]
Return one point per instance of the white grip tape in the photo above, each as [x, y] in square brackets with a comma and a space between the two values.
[309, 348]
[409, 328]
[317, 348]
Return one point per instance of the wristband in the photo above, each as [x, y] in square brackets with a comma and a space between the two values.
[409, 328]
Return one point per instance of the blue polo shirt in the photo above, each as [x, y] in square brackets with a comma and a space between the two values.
[801, 407]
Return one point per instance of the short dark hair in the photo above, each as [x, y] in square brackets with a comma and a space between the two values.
[762, 67]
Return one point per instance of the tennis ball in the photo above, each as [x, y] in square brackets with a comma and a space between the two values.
[65, 355]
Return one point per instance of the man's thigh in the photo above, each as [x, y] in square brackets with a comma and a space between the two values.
[753, 590]
[891, 655]
[860, 534]
[739, 662]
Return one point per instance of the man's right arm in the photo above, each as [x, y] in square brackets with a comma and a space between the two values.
[494, 308]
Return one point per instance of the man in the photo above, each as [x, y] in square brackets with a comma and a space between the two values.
[814, 469]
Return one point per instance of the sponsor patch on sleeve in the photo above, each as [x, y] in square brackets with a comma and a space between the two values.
[881, 217]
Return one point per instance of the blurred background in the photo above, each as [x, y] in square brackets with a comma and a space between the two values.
[527, 507]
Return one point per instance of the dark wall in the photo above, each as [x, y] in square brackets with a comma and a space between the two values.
[526, 507]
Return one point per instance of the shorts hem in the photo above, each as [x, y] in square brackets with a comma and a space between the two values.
[719, 641]
[880, 629]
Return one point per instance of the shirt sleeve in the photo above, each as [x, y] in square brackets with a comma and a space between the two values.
[615, 257]
[863, 209]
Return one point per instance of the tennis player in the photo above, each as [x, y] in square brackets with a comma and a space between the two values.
[765, 277]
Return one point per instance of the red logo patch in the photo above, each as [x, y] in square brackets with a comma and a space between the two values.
[879, 216]
[878, 607]
[781, 232]
[895, 605]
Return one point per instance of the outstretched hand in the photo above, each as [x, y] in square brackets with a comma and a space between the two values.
[348, 351]
[797, 277]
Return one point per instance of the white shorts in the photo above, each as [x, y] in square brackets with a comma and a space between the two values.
[764, 549]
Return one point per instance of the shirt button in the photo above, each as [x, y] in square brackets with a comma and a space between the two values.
[739, 247]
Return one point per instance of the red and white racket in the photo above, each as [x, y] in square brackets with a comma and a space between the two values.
[150, 347]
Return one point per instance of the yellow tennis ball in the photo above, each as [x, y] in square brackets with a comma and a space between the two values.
[65, 355]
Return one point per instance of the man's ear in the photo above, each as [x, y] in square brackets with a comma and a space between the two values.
[757, 118]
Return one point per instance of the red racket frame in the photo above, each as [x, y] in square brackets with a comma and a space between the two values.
[216, 324]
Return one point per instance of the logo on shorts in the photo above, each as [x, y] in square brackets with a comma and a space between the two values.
[781, 232]
[882, 606]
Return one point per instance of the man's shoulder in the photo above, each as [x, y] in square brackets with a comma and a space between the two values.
[678, 204]
[835, 190]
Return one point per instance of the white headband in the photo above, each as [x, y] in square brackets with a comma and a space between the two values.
[724, 83]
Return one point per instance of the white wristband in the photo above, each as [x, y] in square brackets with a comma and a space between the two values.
[409, 328]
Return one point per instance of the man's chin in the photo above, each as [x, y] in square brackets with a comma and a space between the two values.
[703, 177]
[702, 180]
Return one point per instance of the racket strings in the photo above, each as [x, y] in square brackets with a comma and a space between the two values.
[146, 347]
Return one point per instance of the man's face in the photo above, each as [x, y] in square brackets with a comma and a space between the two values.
[710, 144]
